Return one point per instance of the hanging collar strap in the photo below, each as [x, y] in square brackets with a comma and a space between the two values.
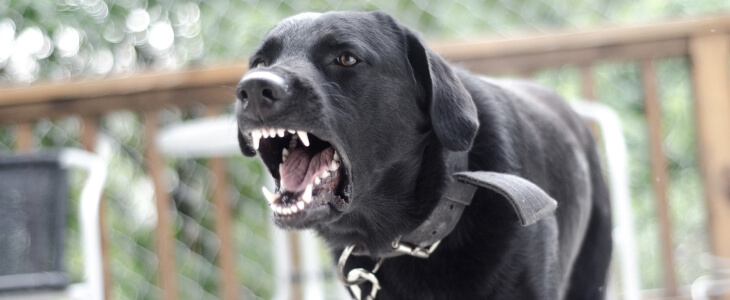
[529, 202]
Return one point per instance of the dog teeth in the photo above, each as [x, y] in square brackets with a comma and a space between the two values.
[336, 156]
[307, 195]
[334, 165]
[271, 197]
[303, 136]
[284, 154]
[256, 137]
[317, 181]
[300, 204]
[257, 134]
[294, 209]
[325, 174]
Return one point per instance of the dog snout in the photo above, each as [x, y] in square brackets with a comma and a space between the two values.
[262, 90]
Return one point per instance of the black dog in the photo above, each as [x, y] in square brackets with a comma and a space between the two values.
[368, 133]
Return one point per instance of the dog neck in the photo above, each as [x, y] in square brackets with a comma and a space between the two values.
[529, 202]
[421, 241]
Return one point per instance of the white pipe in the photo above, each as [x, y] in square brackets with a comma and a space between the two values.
[205, 137]
[282, 257]
[93, 284]
[312, 275]
[615, 148]
[705, 287]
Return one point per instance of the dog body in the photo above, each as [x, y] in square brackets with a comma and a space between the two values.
[389, 122]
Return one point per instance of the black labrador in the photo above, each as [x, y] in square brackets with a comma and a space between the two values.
[385, 150]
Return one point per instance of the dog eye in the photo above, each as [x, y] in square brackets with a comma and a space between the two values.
[346, 60]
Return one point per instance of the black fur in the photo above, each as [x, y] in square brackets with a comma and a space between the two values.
[398, 116]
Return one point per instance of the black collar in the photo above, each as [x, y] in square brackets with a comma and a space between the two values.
[529, 202]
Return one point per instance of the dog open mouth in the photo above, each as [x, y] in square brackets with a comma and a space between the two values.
[309, 171]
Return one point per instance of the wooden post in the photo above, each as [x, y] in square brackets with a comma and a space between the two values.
[586, 83]
[296, 276]
[586, 92]
[164, 234]
[227, 258]
[24, 135]
[88, 139]
[659, 175]
[709, 56]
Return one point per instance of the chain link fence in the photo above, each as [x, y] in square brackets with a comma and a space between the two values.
[60, 40]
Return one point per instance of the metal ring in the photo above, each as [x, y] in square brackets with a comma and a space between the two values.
[341, 265]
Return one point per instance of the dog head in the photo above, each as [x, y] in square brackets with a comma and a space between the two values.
[342, 107]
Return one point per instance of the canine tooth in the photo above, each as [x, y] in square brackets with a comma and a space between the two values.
[317, 181]
[325, 174]
[285, 152]
[300, 204]
[272, 132]
[307, 196]
[303, 136]
[294, 209]
[336, 157]
[256, 137]
[292, 131]
[265, 133]
[271, 197]
[334, 165]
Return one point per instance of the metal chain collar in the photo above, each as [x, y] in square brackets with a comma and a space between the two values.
[419, 252]
[358, 276]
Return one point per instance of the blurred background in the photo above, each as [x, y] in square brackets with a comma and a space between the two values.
[44, 41]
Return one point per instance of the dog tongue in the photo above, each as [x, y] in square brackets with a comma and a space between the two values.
[302, 165]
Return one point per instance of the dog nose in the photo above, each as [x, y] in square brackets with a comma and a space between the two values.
[262, 89]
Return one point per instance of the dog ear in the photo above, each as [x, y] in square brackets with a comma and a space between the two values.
[452, 110]
[245, 145]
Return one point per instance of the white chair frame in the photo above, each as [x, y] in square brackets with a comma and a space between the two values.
[92, 286]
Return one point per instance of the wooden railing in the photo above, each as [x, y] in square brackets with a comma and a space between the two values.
[706, 42]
